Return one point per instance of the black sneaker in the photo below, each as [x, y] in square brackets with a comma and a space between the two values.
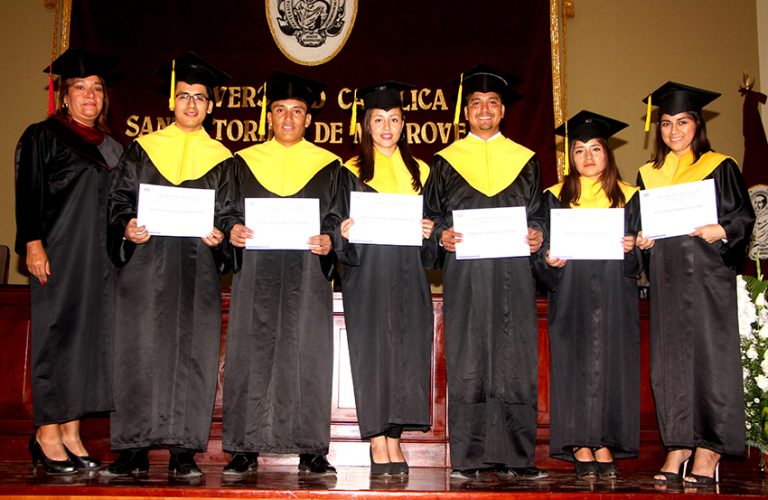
[182, 465]
[242, 463]
[129, 463]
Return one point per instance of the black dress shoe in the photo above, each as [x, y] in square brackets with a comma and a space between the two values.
[242, 463]
[315, 464]
[85, 463]
[182, 465]
[52, 467]
[130, 462]
[528, 473]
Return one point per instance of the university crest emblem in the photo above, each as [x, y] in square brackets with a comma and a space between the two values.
[311, 32]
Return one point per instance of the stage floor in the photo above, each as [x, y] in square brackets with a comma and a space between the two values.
[19, 479]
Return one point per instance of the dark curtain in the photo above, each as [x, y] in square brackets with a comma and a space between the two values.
[427, 43]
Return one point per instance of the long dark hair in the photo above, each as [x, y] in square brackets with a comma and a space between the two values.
[365, 161]
[61, 110]
[699, 146]
[571, 191]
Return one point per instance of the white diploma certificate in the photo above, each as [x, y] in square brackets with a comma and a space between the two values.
[175, 211]
[281, 223]
[385, 219]
[677, 210]
[586, 233]
[490, 233]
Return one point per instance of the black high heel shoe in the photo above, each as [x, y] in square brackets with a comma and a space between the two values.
[84, 463]
[673, 477]
[52, 467]
[379, 469]
[584, 470]
[700, 481]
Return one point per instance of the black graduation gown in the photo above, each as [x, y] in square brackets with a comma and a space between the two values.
[696, 372]
[279, 359]
[594, 337]
[389, 322]
[62, 183]
[491, 341]
[168, 317]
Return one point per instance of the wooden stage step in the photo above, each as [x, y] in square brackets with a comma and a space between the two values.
[20, 480]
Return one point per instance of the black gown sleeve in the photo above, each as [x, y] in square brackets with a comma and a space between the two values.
[734, 212]
[633, 260]
[536, 210]
[346, 252]
[224, 214]
[547, 275]
[237, 207]
[122, 204]
[332, 219]
[32, 153]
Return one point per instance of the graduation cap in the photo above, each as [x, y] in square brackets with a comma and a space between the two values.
[673, 98]
[287, 86]
[586, 125]
[77, 63]
[192, 69]
[383, 95]
[282, 85]
[483, 78]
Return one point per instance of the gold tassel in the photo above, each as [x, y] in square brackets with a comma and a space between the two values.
[456, 113]
[263, 116]
[648, 116]
[172, 99]
[567, 168]
[353, 120]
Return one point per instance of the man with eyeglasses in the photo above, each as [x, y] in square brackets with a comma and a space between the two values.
[279, 359]
[168, 311]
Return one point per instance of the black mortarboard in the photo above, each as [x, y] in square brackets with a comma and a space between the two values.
[673, 98]
[483, 78]
[586, 125]
[78, 63]
[286, 86]
[194, 70]
[384, 95]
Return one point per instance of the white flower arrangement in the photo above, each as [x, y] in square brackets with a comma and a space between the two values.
[753, 330]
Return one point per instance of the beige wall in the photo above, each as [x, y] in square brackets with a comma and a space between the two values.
[619, 51]
[25, 48]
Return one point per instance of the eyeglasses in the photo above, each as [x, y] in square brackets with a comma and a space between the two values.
[186, 96]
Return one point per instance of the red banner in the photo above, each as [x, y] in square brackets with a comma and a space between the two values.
[427, 43]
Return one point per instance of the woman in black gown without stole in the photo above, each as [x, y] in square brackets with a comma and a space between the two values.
[594, 327]
[387, 300]
[64, 166]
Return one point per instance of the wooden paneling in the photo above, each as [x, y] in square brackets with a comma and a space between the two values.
[422, 449]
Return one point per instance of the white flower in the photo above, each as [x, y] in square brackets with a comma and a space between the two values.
[749, 426]
[757, 400]
[760, 300]
[764, 365]
[763, 333]
[752, 353]
[762, 382]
